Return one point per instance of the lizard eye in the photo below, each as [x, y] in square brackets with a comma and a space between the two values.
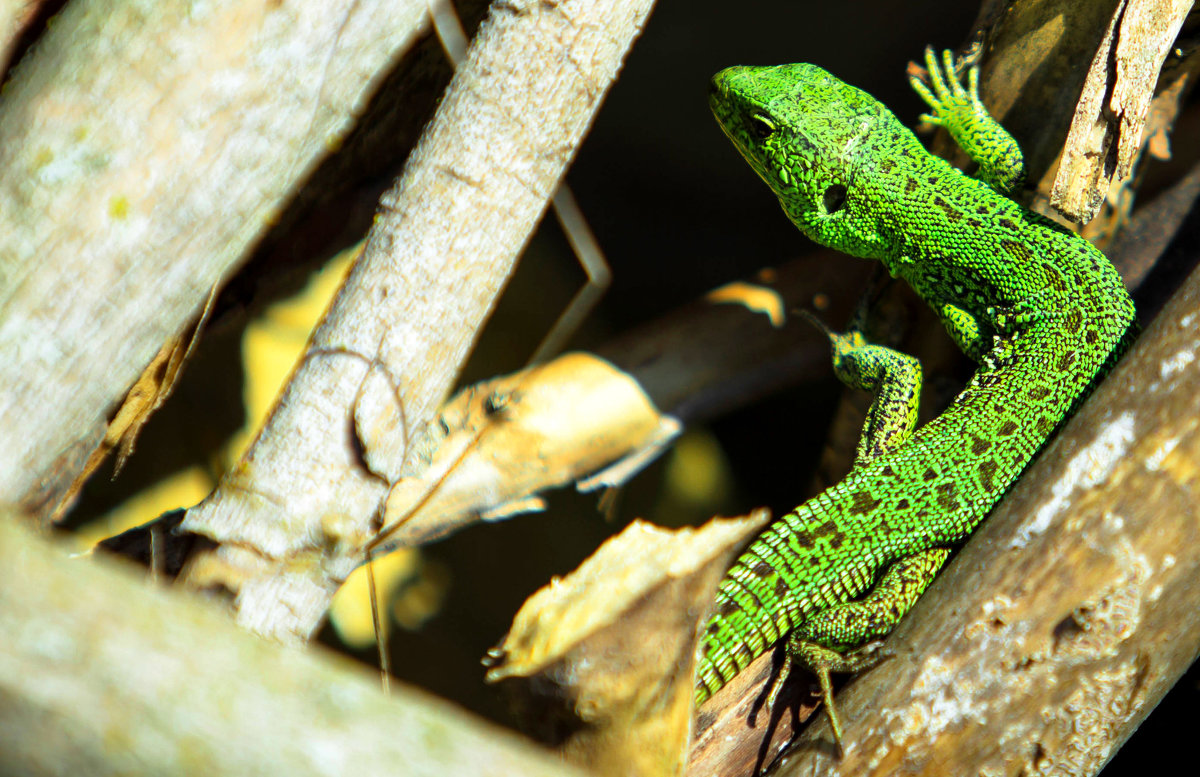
[834, 198]
[761, 127]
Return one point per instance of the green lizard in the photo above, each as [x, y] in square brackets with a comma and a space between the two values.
[1039, 308]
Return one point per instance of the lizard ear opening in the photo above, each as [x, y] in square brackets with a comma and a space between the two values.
[834, 198]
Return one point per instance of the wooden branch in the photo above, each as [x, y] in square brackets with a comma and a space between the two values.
[1106, 135]
[15, 17]
[1073, 80]
[144, 147]
[497, 444]
[101, 674]
[295, 516]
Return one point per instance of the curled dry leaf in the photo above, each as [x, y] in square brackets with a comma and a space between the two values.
[497, 442]
[600, 662]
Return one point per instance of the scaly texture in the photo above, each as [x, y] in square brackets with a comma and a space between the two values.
[1040, 309]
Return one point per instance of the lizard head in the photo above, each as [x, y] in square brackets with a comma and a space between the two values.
[809, 136]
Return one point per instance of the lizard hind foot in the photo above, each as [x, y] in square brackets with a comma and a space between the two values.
[823, 662]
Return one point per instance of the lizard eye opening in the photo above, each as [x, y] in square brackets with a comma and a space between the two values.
[761, 127]
[834, 198]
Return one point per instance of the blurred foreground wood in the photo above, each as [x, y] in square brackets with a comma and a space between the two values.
[101, 674]
[144, 148]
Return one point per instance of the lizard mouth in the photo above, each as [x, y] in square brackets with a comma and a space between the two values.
[716, 85]
[718, 88]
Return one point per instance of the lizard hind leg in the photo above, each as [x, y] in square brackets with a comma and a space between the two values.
[858, 625]
[823, 662]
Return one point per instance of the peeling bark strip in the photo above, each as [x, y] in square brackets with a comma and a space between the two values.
[1106, 132]
[295, 514]
[145, 145]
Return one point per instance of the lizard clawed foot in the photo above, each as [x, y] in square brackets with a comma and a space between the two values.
[822, 672]
[949, 101]
[823, 661]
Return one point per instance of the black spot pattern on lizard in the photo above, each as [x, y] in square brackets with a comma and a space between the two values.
[1038, 392]
[1054, 278]
[979, 446]
[1073, 321]
[951, 212]
[910, 186]
[987, 474]
[825, 529]
[1091, 336]
[1066, 360]
[1008, 428]
[863, 502]
[1017, 250]
[929, 475]
[945, 496]
[762, 570]
[781, 588]
[986, 380]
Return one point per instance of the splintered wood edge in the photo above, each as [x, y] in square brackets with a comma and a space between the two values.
[623, 570]
[1100, 152]
[496, 443]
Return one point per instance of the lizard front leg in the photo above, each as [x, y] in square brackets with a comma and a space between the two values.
[963, 114]
[894, 378]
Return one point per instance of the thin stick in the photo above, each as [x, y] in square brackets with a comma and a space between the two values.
[385, 664]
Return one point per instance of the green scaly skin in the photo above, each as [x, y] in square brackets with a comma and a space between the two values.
[1040, 309]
